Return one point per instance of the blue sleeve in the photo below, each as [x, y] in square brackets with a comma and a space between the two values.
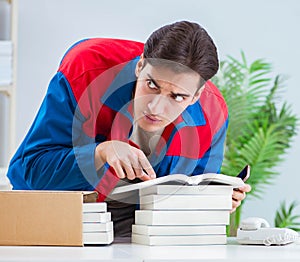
[50, 157]
[212, 160]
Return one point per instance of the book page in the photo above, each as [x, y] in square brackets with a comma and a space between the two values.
[176, 178]
[212, 178]
[182, 179]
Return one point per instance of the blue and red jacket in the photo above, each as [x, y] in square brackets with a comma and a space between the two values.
[88, 101]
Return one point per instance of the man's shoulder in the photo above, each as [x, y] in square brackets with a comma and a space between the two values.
[97, 58]
[212, 101]
[102, 44]
[101, 52]
[211, 92]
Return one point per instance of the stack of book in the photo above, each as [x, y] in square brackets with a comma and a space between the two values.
[183, 210]
[5, 62]
[97, 227]
[182, 215]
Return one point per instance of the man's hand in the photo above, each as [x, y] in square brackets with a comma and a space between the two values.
[238, 195]
[127, 161]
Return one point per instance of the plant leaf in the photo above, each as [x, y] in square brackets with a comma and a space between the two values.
[285, 218]
[259, 131]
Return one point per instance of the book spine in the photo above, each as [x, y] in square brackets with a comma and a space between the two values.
[98, 238]
[186, 190]
[6, 48]
[162, 217]
[178, 230]
[96, 217]
[94, 207]
[97, 227]
[186, 202]
[179, 240]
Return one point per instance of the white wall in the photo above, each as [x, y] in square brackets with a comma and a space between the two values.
[263, 29]
[4, 35]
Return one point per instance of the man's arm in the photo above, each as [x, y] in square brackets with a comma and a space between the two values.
[49, 157]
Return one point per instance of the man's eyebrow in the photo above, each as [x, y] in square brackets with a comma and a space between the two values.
[157, 85]
[180, 94]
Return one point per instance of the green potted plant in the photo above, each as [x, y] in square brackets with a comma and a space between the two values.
[286, 217]
[260, 129]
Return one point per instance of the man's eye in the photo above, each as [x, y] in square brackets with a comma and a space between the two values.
[178, 98]
[151, 84]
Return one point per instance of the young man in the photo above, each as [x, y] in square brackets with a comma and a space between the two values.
[120, 109]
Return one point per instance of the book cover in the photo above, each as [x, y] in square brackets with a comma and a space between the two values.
[205, 179]
[179, 240]
[96, 217]
[6, 62]
[97, 227]
[6, 48]
[178, 230]
[94, 207]
[98, 238]
[186, 190]
[178, 217]
[186, 202]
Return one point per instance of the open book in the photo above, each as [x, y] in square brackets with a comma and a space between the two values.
[206, 179]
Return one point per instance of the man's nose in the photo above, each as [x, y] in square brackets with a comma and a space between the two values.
[157, 105]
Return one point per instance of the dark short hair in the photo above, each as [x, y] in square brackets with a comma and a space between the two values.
[185, 43]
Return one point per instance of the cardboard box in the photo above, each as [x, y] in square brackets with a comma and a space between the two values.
[42, 217]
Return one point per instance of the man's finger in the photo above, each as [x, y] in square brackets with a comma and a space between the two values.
[129, 172]
[144, 176]
[238, 195]
[148, 169]
[246, 188]
[119, 171]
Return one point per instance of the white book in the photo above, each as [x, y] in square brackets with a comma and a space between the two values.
[205, 179]
[6, 61]
[5, 81]
[186, 202]
[5, 72]
[98, 238]
[94, 207]
[179, 240]
[186, 190]
[97, 227]
[178, 230]
[6, 48]
[96, 217]
[5, 77]
[179, 217]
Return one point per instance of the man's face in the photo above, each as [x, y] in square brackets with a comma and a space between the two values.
[161, 95]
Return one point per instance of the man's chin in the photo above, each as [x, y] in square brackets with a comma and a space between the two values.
[151, 127]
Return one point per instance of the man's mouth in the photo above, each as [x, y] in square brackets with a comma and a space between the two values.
[152, 118]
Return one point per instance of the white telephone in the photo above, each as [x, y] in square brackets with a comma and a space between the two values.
[256, 231]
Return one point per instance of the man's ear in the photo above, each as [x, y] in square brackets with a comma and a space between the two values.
[197, 95]
[139, 65]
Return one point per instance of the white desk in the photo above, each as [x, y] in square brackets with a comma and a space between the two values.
[138, 253]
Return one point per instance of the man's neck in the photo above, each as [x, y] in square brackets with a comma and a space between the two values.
[147, 141]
